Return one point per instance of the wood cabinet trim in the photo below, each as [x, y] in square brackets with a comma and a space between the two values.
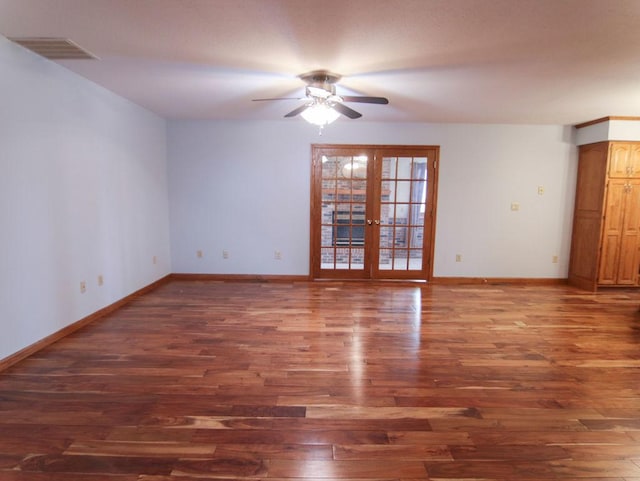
[605, 119]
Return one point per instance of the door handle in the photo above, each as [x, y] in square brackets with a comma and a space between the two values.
[377, 222]
[369, 221]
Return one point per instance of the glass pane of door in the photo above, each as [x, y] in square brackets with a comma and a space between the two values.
[343, 212]
[403, 197]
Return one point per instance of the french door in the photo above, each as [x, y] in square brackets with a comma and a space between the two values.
[373, 211]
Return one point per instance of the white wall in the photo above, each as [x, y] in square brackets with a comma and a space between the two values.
[244, 187]
[83, 193]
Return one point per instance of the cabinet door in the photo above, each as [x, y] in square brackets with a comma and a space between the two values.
[630, 236]
[624, 160]
[612, 232]
[634, 161]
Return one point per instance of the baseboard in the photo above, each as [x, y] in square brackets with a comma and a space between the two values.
[436, 280]
[238, 277]
[65, 331]
[525, 281]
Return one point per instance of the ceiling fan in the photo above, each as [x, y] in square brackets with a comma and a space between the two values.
[322, 104]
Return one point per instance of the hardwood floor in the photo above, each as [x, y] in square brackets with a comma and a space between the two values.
[348, 381]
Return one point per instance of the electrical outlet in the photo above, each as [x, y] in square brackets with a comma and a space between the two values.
[225, 254]
[458, 257]
[199, 254]
[100, 280]
[83, 287]
[277, 255]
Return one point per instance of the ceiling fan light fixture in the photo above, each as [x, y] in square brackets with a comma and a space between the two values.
[320, 114]
[324, 105]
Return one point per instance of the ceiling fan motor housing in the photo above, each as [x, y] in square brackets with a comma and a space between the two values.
[321, 79]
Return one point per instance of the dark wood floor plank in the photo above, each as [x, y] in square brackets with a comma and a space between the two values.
[300, 452]
[48, 476]
[370, 468]
[397, 452]
[142, 449]
[96, 464]
[334, 380]
[246, 465]
[293, 437]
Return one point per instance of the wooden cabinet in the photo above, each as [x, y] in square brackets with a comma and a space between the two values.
[605, 246]
[624, 160]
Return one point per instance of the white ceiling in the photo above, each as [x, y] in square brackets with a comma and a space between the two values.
[498, 61]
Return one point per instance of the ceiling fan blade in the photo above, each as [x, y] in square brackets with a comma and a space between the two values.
[295, 112]
[346, 111]
[277, 98]
[365, 100]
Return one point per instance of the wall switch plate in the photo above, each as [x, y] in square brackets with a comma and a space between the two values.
[83, 287]
[225, 254]
[100, 280]
[515, 206]
[458, 257]
[199, 254]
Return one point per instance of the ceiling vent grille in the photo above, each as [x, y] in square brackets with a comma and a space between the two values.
[54, 48]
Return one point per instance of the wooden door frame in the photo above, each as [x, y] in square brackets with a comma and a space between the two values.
[375, 151]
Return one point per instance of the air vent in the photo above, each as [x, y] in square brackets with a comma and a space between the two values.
[54, 48]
